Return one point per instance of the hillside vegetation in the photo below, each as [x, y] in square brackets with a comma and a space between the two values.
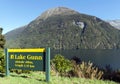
[58, 29]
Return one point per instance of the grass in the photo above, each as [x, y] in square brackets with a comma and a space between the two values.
[39, 78]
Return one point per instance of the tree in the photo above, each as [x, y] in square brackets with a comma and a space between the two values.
[2, 39]
[2, 56]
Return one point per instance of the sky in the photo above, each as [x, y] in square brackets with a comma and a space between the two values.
[17, 13]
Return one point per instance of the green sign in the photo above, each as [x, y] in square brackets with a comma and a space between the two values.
[28, 59]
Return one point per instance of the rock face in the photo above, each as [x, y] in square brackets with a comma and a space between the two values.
[80, 24]
[64, 28]
[57, 11]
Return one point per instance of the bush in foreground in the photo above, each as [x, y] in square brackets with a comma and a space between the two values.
[69, 68]
[61, 65]
[86, 70]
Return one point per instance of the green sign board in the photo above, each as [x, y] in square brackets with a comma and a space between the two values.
[28, 59]
[34, 59]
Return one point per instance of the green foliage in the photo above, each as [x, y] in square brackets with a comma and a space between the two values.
[2, 56]
[2, 61]
[70, 68]
[62, 65]
[2, 39]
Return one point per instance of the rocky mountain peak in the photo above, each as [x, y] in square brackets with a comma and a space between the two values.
[57, 11]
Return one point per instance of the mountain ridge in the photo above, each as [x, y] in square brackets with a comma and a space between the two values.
[115, 23]
[71, 30]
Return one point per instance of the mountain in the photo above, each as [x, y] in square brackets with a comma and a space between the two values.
[64, 28]
[114, 23]
[11, 37]
[57, 11]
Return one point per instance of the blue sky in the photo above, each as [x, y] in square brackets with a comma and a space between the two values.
[17, 13]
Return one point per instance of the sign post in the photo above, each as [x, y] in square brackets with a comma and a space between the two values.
[48, 65]
[28, 59]
[7, 63]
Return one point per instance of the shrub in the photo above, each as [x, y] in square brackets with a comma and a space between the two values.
[2, 61]
[76, 59]
[66, 67]
[19, 71]
[111, 74]
[86, 70]
[61, 64]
